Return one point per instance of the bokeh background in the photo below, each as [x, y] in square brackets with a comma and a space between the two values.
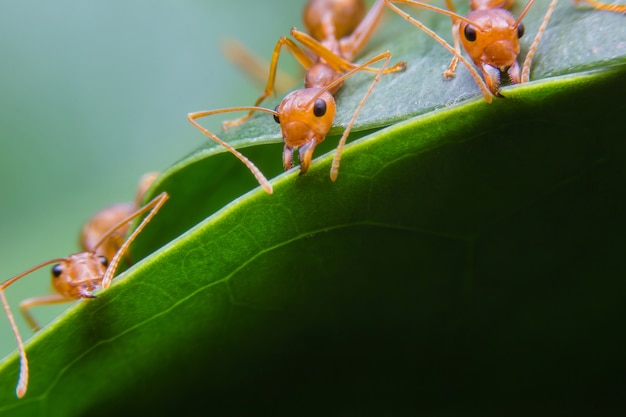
[95, 93]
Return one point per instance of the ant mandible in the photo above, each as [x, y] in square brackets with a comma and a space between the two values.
[76, 276]
[339, 29]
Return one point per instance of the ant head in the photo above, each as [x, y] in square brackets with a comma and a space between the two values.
[343, 16]
[305, 117]
[494, 39]
[79, 275]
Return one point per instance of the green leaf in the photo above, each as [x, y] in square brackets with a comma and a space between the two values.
[577, 39]
[468, 260]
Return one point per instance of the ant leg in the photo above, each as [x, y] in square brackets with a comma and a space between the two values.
[254, 66]
[616, 8]
[300, 56]
[29, 303]
[336, 62]
[451, 71]
[456, 24]
[352, 44]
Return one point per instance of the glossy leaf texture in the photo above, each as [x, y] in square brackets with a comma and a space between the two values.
[467, 261]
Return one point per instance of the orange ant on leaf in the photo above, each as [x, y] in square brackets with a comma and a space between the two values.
[339, 29]
[490, 35]
[76, 276]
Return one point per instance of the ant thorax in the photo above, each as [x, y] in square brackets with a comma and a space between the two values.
[321, 74]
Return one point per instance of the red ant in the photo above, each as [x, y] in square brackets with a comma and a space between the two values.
[490, 35]
[339, 29]
[76, 276]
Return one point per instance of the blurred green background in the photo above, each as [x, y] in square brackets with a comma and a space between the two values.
[93, 95]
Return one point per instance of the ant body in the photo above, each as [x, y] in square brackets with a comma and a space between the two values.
[76, 276]
[92, 232]
[339, 29]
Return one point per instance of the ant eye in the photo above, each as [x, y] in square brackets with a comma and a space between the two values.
[276, 119]
[520, 30]
[57, 270]
[103, 260]
[319, 107]
[470, 33]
